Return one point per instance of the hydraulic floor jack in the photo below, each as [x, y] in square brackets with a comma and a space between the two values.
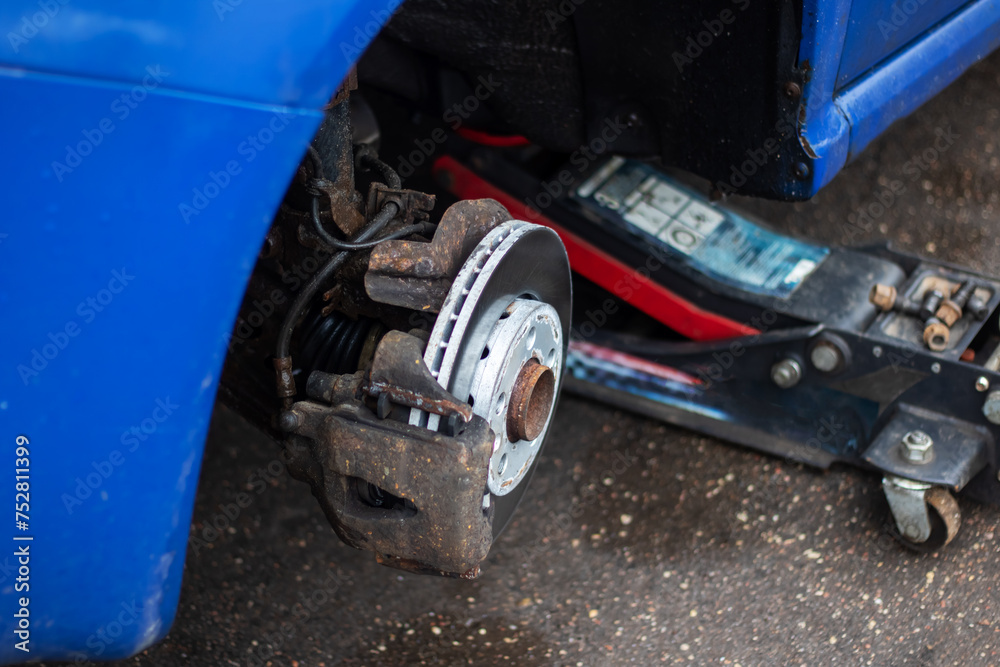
[867, 356]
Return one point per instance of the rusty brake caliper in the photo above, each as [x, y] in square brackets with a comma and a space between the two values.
[423, 457]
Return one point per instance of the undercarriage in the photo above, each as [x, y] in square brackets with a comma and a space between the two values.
[409, 368]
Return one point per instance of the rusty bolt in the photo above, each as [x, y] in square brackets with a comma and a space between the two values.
[883, 296]
[949, 312]
[530, 401]
[793, 90]
[936, 335]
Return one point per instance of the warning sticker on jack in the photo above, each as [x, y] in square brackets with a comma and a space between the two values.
[714, 241]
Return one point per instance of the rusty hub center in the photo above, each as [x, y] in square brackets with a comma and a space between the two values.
[498, 344]
[530, 401]
[514, 386]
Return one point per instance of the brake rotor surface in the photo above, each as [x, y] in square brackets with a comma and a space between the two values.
[500, 342]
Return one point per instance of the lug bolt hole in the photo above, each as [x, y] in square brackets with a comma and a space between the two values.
[529, 339]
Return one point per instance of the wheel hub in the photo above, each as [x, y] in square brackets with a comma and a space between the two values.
[516, 380]
[499, 342]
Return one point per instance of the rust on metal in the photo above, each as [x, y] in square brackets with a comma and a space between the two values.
[936, 335]
[413, 204]
[530, 401]
[939, 284]
[417, 274]
[949, 312]
[414, 399]
[284, 377]
[448, 532]
[343, 91]
[398, 370]
[883, 297]
[947, 508]
[335, 146]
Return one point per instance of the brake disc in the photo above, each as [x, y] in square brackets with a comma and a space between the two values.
[500, 342]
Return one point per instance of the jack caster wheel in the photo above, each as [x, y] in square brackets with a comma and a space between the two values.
[925, 518]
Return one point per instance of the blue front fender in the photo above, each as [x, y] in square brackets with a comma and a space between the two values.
[146, 151]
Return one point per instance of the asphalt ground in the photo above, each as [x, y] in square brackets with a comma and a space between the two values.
[640, 543]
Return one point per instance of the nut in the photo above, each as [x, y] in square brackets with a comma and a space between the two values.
[883, 296]
[949, 312]
[918, 447]
[936, 335]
